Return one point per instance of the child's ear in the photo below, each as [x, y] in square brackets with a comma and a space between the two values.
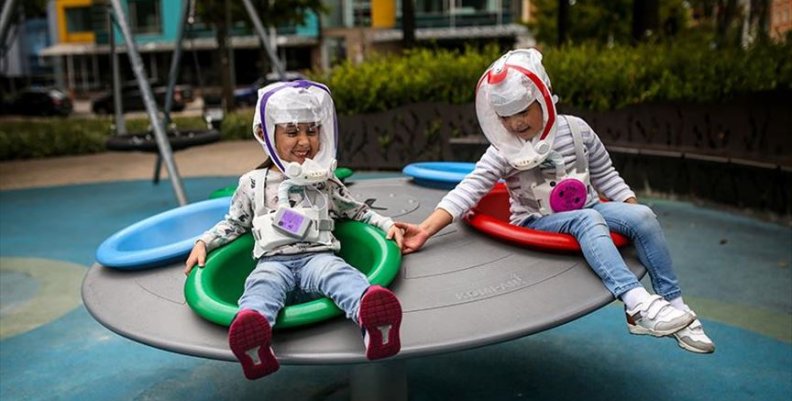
[258, 132]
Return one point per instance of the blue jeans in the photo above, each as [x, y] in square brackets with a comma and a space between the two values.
[324, 273]
[591, 227]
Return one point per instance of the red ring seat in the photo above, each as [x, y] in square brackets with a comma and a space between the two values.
[491, 216]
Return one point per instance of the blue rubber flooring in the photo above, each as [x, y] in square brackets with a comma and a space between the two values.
[735, 271]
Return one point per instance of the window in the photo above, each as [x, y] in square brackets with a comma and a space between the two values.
[471, 6]
[361, 12]
[144, 16]
[78, 19]
[429, 6]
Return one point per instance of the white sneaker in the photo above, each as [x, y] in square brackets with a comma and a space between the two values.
[693, 339]
[655, 316]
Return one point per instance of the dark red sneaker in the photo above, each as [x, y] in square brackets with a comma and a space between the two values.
[249, 338]
[380, 318]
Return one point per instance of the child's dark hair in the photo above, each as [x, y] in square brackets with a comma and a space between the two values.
[267, 163]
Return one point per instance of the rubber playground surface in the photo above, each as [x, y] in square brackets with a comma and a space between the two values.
[735, 271]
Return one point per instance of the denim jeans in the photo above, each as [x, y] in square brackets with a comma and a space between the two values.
[323, 273]
[591, 227]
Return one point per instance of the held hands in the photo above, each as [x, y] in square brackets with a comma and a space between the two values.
[414, 237]
[395, 233]
[198, 255]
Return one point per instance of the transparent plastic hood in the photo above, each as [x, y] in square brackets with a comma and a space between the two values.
[507, 87]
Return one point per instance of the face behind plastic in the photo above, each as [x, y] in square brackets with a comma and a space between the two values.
[509, 86]
[298, 102]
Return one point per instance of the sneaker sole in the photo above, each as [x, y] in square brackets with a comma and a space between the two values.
[639, 330]
[690, 348]
[251, 335]
[380, 317]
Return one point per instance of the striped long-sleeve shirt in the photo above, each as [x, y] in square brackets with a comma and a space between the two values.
[493, 166]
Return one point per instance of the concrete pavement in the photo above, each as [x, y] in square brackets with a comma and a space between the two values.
[227, 158]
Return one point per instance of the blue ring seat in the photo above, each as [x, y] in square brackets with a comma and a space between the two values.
[163, 238]
[444, 175]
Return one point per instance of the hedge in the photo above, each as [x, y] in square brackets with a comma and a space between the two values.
[594, 78]
[421, 75]
[45, 137]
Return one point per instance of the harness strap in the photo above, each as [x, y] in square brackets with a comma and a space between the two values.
[325, 224]
[261, 192]
[581, 163]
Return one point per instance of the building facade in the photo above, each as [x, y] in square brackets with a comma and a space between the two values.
[356, 28]
[780, 18]
[81, 50]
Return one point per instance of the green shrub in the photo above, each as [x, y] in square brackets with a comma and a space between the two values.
[41, 138]
[47, 137]
[600, 78]
[237, 125]
[387, 81]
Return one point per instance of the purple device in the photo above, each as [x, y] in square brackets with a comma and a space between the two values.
[569, 194]
[291, 222]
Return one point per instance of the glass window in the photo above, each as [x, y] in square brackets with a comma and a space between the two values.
[144, 16]
[335, 16]
[472, 5]
[361, 12]
[430, 6]
[78, 19]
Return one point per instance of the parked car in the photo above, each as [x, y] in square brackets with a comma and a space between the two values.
[40, 101]
[247, 96]
[132, 98]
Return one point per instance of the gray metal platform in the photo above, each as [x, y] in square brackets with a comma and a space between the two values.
[462, 290]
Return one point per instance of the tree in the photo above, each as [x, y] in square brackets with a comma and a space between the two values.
[758, 21]
[586, 20]
[726, 15]
[408, 23]
[645, 19]
[563, 21]
[579, 21]
[221, 15]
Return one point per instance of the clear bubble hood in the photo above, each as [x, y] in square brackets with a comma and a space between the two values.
[298, 102]
[508, 87]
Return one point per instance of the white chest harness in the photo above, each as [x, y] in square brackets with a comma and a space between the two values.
[566, 190]
[286, 225]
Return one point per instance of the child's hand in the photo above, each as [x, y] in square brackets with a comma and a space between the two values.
[414, 237]
[198, 255]
[395, 233]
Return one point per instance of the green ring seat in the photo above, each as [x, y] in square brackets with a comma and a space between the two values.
[342, 173]
[212, 291]
[223, 192]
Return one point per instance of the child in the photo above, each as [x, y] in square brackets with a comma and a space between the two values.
[290, 203]
[554, 168]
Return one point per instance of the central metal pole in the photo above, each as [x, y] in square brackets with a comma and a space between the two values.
[381, 381]
[148, 100]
